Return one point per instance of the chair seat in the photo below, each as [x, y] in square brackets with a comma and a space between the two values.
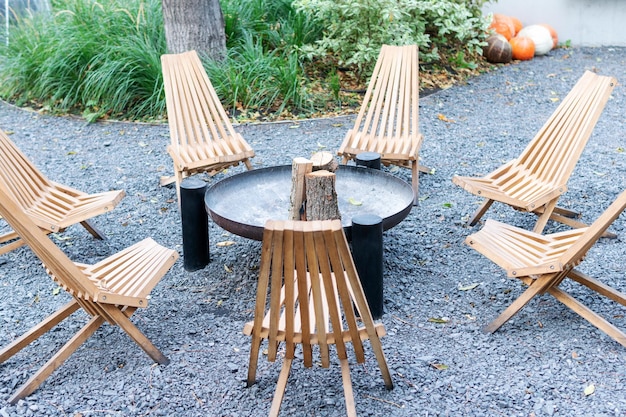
[61, 206]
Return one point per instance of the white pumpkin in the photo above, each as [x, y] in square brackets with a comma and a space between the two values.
[541, 38]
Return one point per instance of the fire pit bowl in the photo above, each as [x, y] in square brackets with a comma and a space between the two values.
[241, 204]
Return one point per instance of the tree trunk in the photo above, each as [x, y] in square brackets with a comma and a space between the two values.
[194, 24]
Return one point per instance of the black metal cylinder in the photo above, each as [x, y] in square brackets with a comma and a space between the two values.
[195, 224]
[368, 159]
[367, 252]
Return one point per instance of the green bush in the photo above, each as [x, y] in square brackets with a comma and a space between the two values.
[355, 30]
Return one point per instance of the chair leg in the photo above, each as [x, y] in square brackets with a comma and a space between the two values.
[589, 315]
[91, 228]
[144, 343]
[280, 387]
[481, 210]
[57, 360]
[538, 286]
[34, 333]
[415, 181]
[548, 209]
[347, 388]
[382, 362]
[254, 360]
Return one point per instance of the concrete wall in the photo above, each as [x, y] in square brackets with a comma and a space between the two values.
[582, 22]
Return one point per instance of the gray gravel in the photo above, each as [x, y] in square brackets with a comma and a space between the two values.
[538, 364]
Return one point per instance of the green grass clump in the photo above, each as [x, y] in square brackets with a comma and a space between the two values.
[95, 58]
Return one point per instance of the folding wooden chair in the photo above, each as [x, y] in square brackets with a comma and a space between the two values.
[51, 206]
[313, 286]
[544, 261]
[202, 136]
[538, 177]
[388, 121]
[110, 290]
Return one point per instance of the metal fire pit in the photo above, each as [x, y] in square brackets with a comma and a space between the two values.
[243, 203]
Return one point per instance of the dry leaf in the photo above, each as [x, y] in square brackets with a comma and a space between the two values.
[439, 366]
[438, 319]
[354, 202]
[469, 287]
[590, 389]
[227, 269]
[225, 243]
[56, 291]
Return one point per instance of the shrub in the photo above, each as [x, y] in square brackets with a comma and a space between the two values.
[355, 31]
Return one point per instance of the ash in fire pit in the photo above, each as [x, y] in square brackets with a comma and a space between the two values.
[242, 203]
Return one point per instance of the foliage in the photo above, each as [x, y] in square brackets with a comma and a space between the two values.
[96, 57]
[102, 59]
[355, 31]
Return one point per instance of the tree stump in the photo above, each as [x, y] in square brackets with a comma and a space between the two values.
[324, 161]
[321, 197]
[299, 168]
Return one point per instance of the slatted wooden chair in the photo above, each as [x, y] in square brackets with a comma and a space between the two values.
[535, 180]
[313, 285]
[388, 121]
[202, 136]
[110, 290]
[544, 261]
[52, 206]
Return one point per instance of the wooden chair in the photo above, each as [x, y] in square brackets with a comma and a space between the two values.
[202, 136]
[388, 119]
[313, 286]
[110, 290]
[538, 177]
[543, 262]
[51, 206]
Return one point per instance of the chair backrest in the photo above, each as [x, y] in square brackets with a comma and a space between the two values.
[23, 181]
[553, 153]
[64, 270]
[194, 111]
[321, 290]
[390, 107]
[578, 250]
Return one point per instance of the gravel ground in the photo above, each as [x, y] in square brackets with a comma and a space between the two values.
[538, 364]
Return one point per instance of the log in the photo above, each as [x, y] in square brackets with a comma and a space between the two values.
[324, 161]
[299, 168]
[321, 196]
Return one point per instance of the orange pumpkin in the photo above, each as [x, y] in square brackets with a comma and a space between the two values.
[498, 17]
[522, 48]
[501, 28]
[517, 23]
[555, 36]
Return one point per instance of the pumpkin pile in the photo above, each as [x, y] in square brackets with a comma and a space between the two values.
[511, 40]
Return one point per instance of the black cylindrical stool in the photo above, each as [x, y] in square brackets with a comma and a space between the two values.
[368, 159]
[195, 224]
[367, 252]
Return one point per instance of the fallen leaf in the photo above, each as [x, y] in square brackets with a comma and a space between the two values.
[225, 243]
[575, 355]
[443, 118]
[439, 320]
[590, 389]
[469, 287]
[337, 124]
[354, 202]
[439, 366]
[294, 126]
[447, 205]
[227, 269]
[56, 291]
[71, 153]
